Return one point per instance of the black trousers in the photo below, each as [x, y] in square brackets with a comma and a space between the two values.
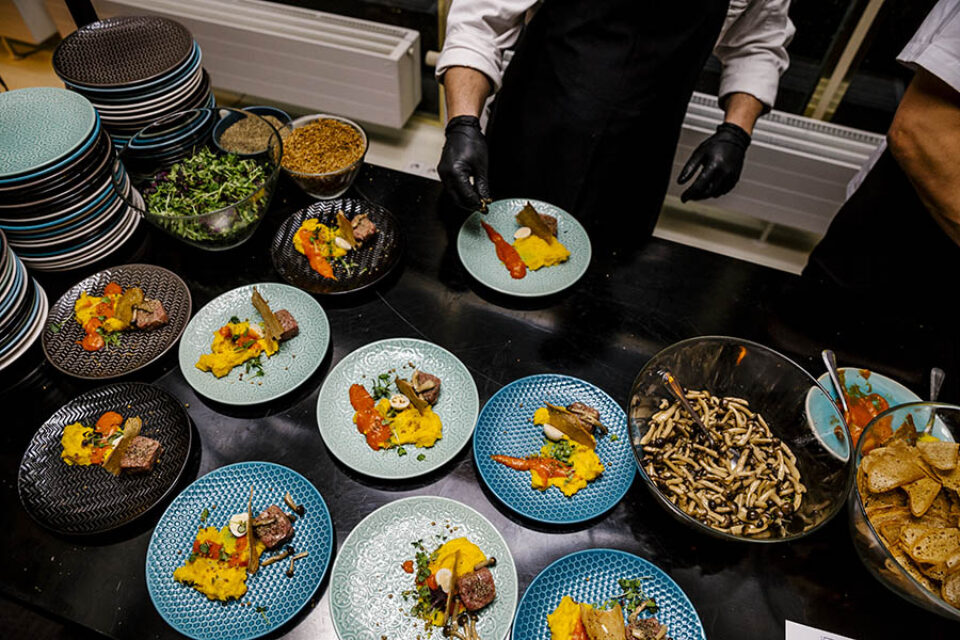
[591, 107]
[883, 241]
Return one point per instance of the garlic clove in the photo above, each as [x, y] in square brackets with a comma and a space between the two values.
[399, 401]
[342, 243]
[238, 525]
[552, 433]
[444, 576]
[522, 232]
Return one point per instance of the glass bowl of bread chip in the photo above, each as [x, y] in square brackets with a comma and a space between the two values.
[905, 508]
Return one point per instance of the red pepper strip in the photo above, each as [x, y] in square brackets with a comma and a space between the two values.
[546, 467]
[506, 252]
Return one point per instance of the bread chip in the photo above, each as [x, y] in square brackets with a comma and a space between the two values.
[910, 567]
[952, 562]
[935, 546]
[950, 479]
[937, 571]
[906, 434]
[891, 470]
[950, 590]
[911, 533]
[922, 493]
[939, 455]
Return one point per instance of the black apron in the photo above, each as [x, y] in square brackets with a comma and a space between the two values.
[590, 110]
[883, 241]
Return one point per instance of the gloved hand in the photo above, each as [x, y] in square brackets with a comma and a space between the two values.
[721, 156]
[465, 156]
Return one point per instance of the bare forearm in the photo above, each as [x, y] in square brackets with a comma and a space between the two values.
[466, 91]
[925, 140]
[742, 109]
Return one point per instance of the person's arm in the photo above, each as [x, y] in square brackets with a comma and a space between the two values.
[925, 141]
[470, 67]
[753, 51]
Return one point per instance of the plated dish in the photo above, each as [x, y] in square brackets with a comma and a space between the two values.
[230, 353]
[116, 321]
[60, 481]
[554, 449]
[423, 543]
[605, 594]
[524, 248]
[397, 408]
[868, 394]
[200, 569]
[337, 246]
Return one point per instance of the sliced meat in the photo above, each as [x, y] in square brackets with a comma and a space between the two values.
[276, 528]
[646, 629]
[476, 589]
[363, 228]
[149, 314]
[140, 455]
[551, 223]
[288, 324]
[427, 386]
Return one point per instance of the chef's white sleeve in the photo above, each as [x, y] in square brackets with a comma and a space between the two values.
[936, 45]
[753, 48]
[478, 32]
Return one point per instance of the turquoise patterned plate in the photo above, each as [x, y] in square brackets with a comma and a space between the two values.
[591, 576]
[41, 125]
[506, 427]
[272, 598]
[824, 419]
[457, 407]
[479, 256]
[367, 578]
[284, 371]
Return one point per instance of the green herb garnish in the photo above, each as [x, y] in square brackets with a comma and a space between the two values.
[614, 437]
[234, 320]
[560, 450]
[255, 365]
[401, 451]
[422, 457]
[55, 327]
[263, 612]
[204, 514]
[381, 386]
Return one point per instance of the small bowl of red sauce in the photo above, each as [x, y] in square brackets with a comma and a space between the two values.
[868, 394]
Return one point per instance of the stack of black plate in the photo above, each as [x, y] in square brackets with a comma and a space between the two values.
[23, 306]
[134, 69]
[62, 187]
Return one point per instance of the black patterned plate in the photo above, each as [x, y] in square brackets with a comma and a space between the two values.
[137, 349]
[121, 51]
[78, 500]
[369, 264]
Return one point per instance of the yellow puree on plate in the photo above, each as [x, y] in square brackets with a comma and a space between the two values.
[446, 556]
[564, 620]
[85, 308]
[585, 462]
[75, 452]
[537, 252]
[324, 238]
[409, 427]
[226, 352]
[216, 578]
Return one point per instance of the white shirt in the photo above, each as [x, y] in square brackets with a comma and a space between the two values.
[752, 43]
[935, 48]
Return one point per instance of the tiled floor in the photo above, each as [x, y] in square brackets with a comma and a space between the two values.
[416, 149]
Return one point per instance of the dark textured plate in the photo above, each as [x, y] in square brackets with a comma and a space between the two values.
[373, 261]
[137, 349]
[122, 51]
[86, 500]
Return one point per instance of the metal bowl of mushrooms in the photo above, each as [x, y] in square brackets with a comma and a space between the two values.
[720, 432]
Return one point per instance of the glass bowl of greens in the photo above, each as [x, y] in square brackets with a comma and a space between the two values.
[205, 184]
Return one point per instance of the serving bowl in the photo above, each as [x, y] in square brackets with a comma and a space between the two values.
[155, 158]
[875, 555]
[776, 388]
[332, 184]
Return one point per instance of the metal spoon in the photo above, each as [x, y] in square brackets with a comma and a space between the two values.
[677, 391]
[830, 359]
[936, 381]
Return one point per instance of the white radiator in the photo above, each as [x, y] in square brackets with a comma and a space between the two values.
[319, 61]
[797, 168]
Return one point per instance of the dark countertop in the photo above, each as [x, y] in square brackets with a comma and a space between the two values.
[622, 312]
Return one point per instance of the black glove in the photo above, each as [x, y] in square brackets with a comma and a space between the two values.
[465, 156]
[721, 156]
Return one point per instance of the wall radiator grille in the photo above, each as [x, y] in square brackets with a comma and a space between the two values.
[320, 61]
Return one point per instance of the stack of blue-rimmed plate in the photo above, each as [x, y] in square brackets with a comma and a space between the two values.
[134, 70]
[23, 306]
[60, 181]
